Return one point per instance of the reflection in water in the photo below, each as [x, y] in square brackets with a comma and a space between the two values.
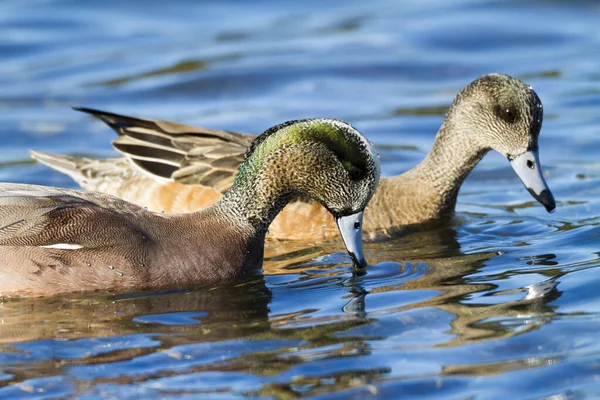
[448, 276]
[75, 317]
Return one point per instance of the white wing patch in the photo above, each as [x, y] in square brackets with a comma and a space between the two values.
[63, 246]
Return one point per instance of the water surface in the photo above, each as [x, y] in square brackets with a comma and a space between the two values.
[500, 301]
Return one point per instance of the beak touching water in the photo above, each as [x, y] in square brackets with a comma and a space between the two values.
[350, 228]
[528, 167]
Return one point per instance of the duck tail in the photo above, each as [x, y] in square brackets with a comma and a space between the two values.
[74, 167]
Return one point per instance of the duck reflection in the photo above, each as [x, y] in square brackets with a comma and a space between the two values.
[72, 317]
[432, 260]
[180, 324]
[429, 258]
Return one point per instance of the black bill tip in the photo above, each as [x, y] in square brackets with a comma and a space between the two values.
[545, 198]
[362, 263]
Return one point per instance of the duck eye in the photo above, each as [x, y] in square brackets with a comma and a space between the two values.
[507, 114]
[356, 174]
[357, 225]
[530, 164]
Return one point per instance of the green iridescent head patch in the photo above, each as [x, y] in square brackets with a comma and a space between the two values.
[334, 134]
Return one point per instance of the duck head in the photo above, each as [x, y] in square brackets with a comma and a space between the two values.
[504, 114]
[326, 160]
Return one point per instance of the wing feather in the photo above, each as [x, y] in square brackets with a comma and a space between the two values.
[183, 153]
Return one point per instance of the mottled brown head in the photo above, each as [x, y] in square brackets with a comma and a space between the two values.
[501, 113]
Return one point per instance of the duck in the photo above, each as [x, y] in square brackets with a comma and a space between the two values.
[55, 241]
[179, 168]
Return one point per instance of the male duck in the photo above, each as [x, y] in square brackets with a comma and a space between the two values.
[55, 241]
[178, 168]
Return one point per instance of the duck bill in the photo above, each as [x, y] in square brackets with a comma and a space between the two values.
[350, 228]
[529, 169]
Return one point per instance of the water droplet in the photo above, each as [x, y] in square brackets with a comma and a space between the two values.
[111, 267]
[119, 273]
[530, 87]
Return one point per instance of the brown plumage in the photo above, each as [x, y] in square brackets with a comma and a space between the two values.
[177, 168]
[55, 241]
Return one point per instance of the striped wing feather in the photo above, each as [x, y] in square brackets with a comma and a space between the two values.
[183, 153]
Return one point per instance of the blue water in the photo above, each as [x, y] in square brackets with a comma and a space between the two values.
[502, 302]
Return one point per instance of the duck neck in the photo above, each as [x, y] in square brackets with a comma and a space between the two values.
[252, 200]
[444, 169]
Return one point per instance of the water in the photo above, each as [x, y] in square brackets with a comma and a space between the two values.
[501, 301]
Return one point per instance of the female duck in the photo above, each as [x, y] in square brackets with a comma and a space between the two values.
[178, 168]
[55, 241]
